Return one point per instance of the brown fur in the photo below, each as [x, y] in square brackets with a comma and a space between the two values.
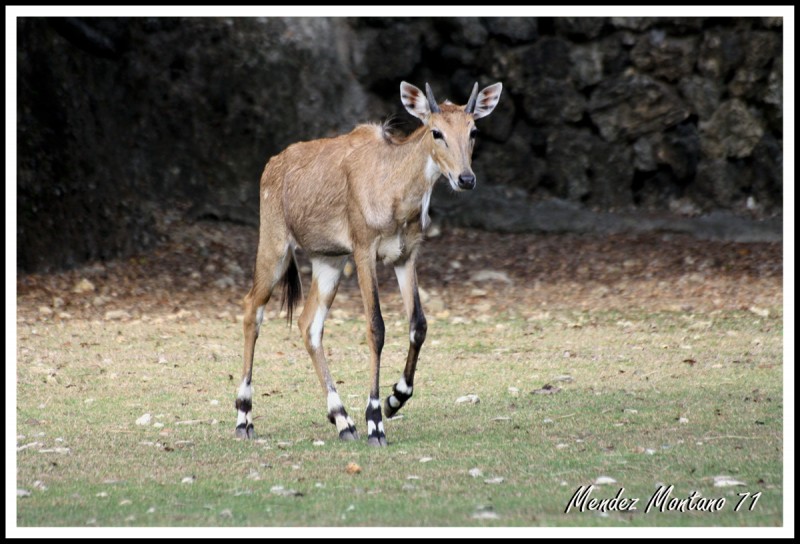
[363, 194]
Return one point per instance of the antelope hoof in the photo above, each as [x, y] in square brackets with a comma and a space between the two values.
[339, 417]
[390, 410]
[395, 401]
[377, 441]
[245, 432]
[348, 435]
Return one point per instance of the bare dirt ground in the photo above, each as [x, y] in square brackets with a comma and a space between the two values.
[203, 269]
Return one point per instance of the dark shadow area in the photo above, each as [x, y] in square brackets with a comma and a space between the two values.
[121, 120]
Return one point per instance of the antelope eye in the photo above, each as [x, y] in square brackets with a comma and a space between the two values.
[473, 133]
[436, 134]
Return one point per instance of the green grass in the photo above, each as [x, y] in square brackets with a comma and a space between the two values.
[665, 398]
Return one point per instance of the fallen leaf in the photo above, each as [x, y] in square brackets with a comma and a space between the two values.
[83, 286]
[546, 389]
[31, 445]
[55, 450]
[144, 420]
[491, 275]
[352, 468]
[116, 315]
[497, 480]
[485, 514]
[604, 480]
[760, 312]
[468, 399]
[700, 325]
[726, 481]
[283, 492]
[475, 472]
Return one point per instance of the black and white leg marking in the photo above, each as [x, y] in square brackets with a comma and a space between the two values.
[376, 331]
[326, 272]
[338, 416]
[375, 432]
[418, 328]
[244, 399]
[244, 411]
[401, 392]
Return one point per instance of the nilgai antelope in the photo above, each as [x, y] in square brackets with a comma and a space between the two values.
[365, 194]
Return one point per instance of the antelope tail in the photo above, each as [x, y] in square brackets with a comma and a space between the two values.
[292, 289]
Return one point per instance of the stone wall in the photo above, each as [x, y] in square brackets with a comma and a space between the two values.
[118, 118]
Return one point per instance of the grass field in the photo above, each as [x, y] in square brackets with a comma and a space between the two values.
[646, 399]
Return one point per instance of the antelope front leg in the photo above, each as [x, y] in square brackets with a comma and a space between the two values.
[407, 279]
[368, 282]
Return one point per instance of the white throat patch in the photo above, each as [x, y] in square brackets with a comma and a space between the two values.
[432, 173]
[426, 204]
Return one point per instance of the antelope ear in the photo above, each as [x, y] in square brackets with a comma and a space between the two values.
[415, 101]
[487, 100]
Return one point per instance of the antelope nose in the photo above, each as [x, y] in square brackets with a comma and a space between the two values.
[466, 181]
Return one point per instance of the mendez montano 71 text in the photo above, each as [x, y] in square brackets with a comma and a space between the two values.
[660, 501]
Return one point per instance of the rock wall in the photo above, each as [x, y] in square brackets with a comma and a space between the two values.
[118, 118]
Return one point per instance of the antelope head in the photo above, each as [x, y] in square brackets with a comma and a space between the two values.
[451, 128]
